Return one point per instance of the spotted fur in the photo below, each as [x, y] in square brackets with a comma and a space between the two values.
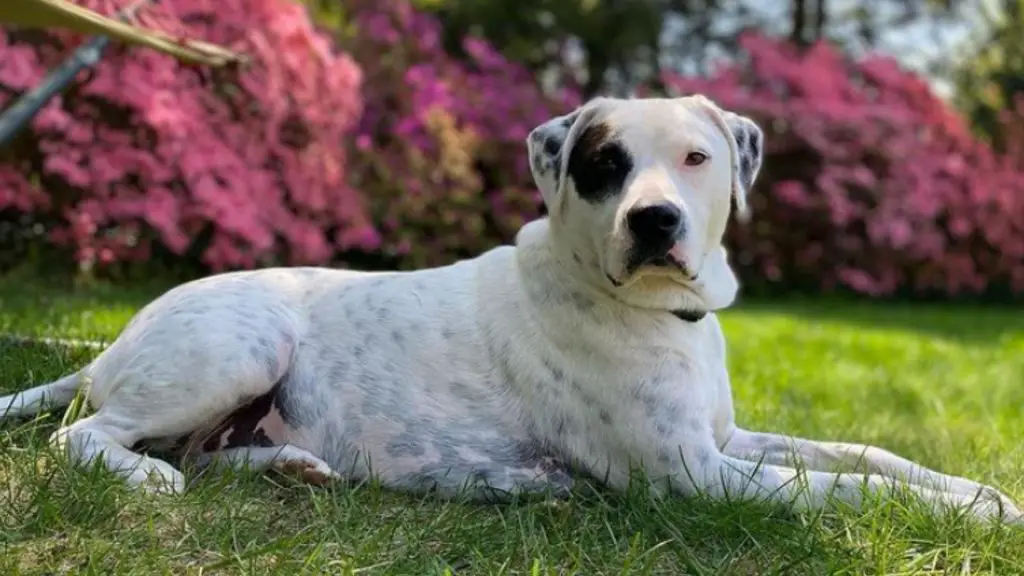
[514, 372]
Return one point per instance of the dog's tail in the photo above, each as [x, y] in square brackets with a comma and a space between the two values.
[56, 394]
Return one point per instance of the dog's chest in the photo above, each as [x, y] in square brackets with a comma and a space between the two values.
[608, 410]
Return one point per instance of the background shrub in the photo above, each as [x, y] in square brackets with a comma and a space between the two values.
[871, 182]
[440, 150]
[366, 143]
[240, 168]
[280, 162]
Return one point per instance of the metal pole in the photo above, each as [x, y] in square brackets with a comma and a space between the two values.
[28, 104]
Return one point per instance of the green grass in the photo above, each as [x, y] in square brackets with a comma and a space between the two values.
[941, 385]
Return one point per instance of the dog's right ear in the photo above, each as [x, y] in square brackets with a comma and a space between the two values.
[746, 146]
[548, 147]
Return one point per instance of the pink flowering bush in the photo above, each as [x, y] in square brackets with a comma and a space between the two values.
[392, 148]
[440, 150]
[241, 168]
[871, 182]
[379, 144]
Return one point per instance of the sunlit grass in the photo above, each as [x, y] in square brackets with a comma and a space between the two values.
[941, 385]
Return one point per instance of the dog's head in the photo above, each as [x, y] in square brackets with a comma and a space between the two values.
[639, 191]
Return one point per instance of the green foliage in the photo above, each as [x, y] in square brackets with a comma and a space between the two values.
[615, 35]
[626, 43]
[990, 83]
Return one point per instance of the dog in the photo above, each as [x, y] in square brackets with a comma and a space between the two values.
[588, 348]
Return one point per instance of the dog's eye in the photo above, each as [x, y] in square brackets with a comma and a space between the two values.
[695, 158]
[607, 161]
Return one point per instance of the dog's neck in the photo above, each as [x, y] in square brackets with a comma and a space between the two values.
[539, 253]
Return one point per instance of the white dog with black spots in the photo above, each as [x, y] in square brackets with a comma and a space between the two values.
[589, 347]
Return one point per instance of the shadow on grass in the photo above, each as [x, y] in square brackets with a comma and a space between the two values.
[60, 308]
[960, 322]
[26, 364]
[22, 296]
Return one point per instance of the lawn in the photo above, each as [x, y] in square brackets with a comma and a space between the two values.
[940, 385]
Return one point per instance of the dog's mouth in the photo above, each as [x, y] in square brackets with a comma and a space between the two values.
[668, 261]
[668, 264]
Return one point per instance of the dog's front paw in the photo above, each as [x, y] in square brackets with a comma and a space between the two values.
[1010, 512]
[971, 490]
[988, 505]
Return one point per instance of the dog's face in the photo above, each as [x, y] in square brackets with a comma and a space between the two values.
[640, 191]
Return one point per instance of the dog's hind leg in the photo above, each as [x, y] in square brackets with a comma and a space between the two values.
[102, 438]
[287, 459]
[184, 363]
[155, 399]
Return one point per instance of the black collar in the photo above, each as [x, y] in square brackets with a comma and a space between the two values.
[689, 315]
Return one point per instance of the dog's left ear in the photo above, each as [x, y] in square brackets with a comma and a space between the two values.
[746, 145]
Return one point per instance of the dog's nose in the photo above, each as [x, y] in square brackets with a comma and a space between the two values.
[658, 224]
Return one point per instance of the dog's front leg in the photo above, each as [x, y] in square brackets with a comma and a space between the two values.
[700, 468]
[791, 451]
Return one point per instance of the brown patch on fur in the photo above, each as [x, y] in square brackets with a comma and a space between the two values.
[256, 423]
[590, 141]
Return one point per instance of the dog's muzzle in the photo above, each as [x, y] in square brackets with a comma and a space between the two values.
[656, 231]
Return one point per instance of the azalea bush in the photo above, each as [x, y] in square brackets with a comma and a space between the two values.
[366, 143]
[386, 147]
[240, 168]
[440, 150]
[871, 182]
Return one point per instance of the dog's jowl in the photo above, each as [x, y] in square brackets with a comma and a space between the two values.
[588, 347]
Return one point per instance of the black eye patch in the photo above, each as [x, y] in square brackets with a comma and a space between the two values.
[598, 164]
